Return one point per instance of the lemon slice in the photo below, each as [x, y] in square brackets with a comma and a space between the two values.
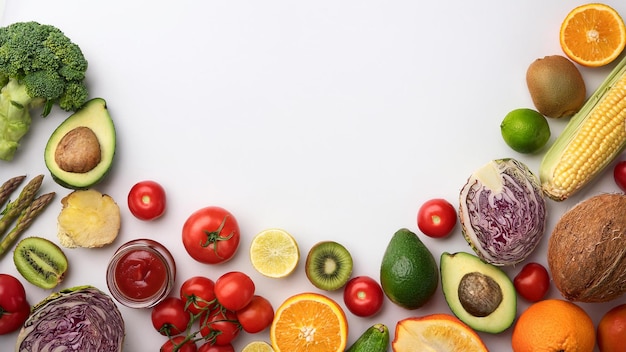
[258, 346]
[274, 253]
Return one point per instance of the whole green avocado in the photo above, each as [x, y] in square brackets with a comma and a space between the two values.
[408, 274]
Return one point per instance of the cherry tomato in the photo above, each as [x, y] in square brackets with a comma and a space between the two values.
[169, 317]
[219, 327]
[14, 307]
[532, 282]
[619, 174]
[211, 235]
[198, 294]
[234, 290]
[146, 200]
[178, 344]
[256, 316]
[436, 218]
[612, 329]
[209, 347]
[363, 296]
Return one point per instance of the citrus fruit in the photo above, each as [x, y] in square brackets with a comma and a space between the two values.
[309, 322]
[593, 35]
[258, 346]
[612, 330]
[554, 325]
[525, 130]
[274, 253]
[440, 332]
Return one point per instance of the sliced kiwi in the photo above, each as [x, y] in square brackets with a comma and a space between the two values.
[328, 265]
[41, 262]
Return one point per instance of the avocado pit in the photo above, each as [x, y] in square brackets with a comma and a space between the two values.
[479, 294]
[78, 151]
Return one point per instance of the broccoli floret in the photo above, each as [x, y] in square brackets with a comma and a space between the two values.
[40, 67]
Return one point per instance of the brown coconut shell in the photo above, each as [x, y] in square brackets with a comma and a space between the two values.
[587, 250]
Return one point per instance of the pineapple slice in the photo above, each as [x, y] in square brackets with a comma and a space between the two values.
[88, 219]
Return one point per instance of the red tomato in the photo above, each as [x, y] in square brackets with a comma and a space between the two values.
[178, 344]
[619, 174]
[234, 290]
[256, 316]
[363, 296]
[211, 235]
[532, 282]
[198, 294]
[436, 218]
[220, 327]
[169, 317]
[14, 307]
[146, 200]
[612, 330]
[209, 347]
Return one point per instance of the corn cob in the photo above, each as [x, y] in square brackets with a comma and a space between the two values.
[592, 139]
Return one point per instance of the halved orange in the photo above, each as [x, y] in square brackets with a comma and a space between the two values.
[436, 332]
[593, 35]
[309, 322]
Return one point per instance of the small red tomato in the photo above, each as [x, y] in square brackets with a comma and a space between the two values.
[146, 200]
[211, 235]
[169, 317]
[363, 296]
[220, 327]
[612, 330]
[256, 316]
[619, 174]
[436, 218]
[178, 344]
[234, 290]
[532, 282]
[198, 294]
[211, 347]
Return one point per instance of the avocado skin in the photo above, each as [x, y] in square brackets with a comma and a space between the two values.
[95, 115]
[453, 267]
[408, 274]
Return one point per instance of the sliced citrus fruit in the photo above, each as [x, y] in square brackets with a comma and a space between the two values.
[436, 332]
[309, 322]
[593, 35]
[274, 253]
[258, 346]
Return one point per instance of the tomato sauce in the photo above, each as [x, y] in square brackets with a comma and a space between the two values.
[140, 274]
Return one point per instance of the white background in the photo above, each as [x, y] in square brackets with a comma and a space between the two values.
[329, 119]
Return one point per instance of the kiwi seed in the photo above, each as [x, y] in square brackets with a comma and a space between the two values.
[328, 265]
[41, 262]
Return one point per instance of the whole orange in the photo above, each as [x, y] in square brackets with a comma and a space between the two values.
[612, 330]
[554, 325]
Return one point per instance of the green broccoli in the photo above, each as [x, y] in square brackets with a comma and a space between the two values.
[39, 67]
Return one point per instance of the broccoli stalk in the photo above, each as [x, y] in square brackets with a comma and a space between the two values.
[40, 67]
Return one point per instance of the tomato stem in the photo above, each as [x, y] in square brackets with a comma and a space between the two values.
[213, 237]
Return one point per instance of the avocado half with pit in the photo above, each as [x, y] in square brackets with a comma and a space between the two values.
[80, 152]
[478, 293]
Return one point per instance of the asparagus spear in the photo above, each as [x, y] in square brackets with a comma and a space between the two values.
[14, 208]
[8, 187]
[25, 219]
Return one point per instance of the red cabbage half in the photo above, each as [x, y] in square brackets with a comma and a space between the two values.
[502, 212]
[82, 318]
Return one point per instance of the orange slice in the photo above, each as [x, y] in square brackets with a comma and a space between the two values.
[436, 332]
[593, 35]
[309, 322]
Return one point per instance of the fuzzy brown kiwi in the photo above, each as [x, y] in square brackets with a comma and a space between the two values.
[556, 86]
[40, 261]
[328, 265]
[587, 250]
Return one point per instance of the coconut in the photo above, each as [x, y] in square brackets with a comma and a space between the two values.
[587, 250]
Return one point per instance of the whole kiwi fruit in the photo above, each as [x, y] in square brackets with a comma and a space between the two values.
[556, 86]
[587, 250]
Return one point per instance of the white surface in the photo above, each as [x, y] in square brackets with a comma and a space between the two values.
[332, 120]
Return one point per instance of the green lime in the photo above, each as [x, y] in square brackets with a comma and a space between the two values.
[525, 130]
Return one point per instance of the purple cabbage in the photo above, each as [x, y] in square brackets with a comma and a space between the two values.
[503, 212]
[77, 319]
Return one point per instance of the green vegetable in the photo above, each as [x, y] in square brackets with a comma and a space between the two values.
[39, 67]
[374, 339]
[14, 208]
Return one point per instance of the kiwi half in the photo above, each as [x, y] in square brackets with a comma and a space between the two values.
[41, 262]
[328, 265]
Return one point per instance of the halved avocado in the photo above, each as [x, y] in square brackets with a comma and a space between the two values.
[478, 293]
[80, 151]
